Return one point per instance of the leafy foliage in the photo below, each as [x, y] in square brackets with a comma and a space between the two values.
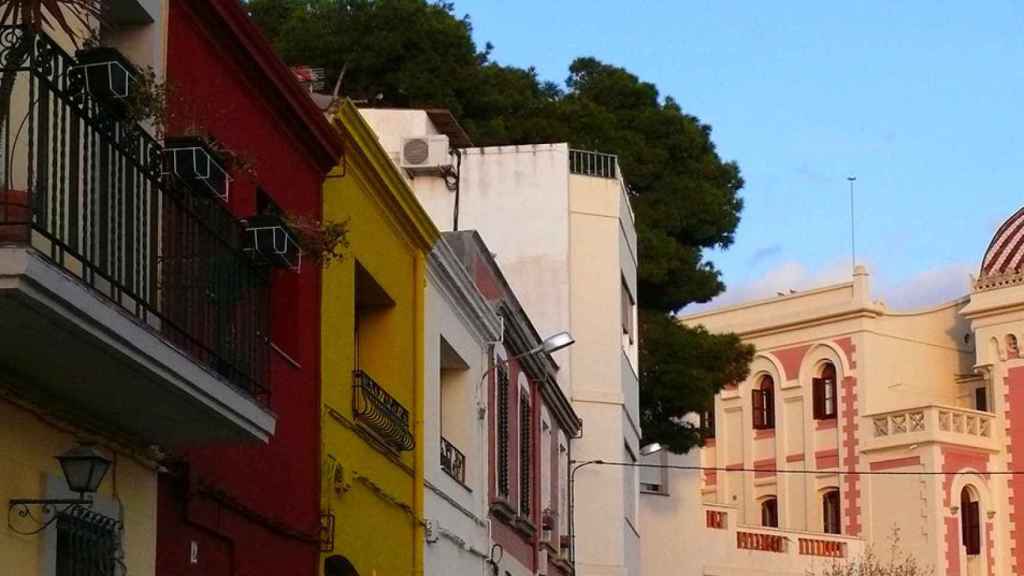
[419, 53]
[63, 14]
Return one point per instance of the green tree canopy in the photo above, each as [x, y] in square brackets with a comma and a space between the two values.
[686, 197]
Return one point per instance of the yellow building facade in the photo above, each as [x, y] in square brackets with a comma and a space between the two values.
[372, 358]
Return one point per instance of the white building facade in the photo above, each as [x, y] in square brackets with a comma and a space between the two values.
[562, 229]
[460, 328]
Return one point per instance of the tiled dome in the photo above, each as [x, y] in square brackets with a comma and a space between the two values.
[1005, 255]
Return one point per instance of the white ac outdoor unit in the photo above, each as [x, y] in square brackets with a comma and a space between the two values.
[426, 155]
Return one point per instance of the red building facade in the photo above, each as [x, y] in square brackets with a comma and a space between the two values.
[252, 509]
[531, 424]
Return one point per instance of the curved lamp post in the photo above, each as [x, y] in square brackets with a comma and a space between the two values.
[647, 450]
[84, 468]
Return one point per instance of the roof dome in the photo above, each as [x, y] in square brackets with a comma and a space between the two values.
[1005, 254]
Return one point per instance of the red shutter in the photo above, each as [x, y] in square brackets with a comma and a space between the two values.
[769, 408]
[757, 402]
[818, 393]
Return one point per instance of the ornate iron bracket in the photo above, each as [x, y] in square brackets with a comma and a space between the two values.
[48, 512]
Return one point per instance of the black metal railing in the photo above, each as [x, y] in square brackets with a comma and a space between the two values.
[373, 406]
[453, 461]
[87, 189]
[586, 163]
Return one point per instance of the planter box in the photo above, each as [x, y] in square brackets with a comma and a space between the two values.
[195, 162]
[109, 77]
[268, 238]
[15, 216]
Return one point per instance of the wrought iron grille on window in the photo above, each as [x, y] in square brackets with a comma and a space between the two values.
[86, 543]
[86, 187]
[503, 432]
[379, 411]
[453, 461]
[525, 448]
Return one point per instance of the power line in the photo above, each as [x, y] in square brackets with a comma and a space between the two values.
[792, 471]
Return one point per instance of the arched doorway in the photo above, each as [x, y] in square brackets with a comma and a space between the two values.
[339, 566]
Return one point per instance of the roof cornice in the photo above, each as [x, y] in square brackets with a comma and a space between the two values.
[228, 24]
[447, 272]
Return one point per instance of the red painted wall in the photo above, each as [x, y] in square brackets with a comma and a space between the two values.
[250, 509]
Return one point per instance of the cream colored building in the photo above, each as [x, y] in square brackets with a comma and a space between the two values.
[562, 229]
[856, 421]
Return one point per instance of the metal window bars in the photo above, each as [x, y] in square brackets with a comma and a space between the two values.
[86, 189]
[381, 412]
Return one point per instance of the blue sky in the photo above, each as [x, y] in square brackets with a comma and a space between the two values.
[922, 101]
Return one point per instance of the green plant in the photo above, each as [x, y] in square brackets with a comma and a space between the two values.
[147, 102]
[323, 241]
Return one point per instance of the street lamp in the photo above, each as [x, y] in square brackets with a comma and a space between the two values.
[84, 468]
[652, 448]
[552, 343]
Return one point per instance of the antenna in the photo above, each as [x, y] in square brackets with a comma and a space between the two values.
[853, 237]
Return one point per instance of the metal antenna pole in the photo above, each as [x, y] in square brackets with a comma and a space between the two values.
[853, 237]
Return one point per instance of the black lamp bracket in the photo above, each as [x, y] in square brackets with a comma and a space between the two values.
[48, 512]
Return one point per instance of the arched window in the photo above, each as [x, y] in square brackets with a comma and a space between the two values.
[824, 390]
[770, 512]
[339, 566]
[1012, 348]
[763, 403]
[970, 521]
[830, 512]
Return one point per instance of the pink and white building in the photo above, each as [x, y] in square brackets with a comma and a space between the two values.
[857, 421]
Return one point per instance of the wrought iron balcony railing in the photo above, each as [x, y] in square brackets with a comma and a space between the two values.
[453, 461]
[88, 190]
[379, 411]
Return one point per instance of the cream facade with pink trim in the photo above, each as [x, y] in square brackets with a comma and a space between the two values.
[835, 438]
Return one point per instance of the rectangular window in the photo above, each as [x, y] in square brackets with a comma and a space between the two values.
[707, 423]
[525, 451]
[981, 399]
[763, 405]
[628, 303]
[86, 543]
[503, 432]
[971, 527]
[545, 461]
[770, 513]
[830, 512]
[824, 391]
[563, 483]
[653, 479]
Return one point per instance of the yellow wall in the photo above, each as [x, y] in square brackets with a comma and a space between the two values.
[375, 493]
[28, 445]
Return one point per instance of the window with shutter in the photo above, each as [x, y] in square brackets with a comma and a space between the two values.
[981, 399]
[830, 512]
[970, 523]
[525, 450]
[818, 393]
[757, 404]
[503, 432]
[770, 513]
[824, 393]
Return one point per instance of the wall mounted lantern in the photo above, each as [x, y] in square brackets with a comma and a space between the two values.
[84, 468]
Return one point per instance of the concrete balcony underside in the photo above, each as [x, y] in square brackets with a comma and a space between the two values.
[64, 345]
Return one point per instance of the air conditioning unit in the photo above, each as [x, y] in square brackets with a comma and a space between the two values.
[426, 155]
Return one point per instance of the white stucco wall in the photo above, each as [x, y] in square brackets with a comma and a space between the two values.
[458, 537]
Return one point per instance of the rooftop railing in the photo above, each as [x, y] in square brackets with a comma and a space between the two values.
[87, 189]
[597, 164]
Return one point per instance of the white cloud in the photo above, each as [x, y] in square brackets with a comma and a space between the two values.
[928, 288]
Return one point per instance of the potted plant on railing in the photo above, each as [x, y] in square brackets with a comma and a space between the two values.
[269, 238]
[322, 241]
[110, 77]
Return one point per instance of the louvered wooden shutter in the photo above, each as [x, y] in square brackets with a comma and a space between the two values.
[972, 528]
[818, 392]
[757, 402]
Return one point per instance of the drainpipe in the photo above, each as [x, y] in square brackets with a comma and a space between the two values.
[420, 282]
[458, 187]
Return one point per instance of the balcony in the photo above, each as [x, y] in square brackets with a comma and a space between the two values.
[378, 411]
[727, 543]
[124, 298]
[453, 461]
[945, 424]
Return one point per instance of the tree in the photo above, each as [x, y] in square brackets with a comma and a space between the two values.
[419, 53]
